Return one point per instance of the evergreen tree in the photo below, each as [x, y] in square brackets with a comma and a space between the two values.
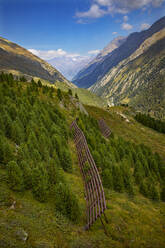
[65, 160]
[39, 83]
[76, 96]
[144, 188]
[154, 194]
[66, 202]
[107, 178]
[15, 177]
[70, 92]
[139, 172]
[27, 174]
[40, 183]
[163, 193]
[6, 151]
[118, 179]
[59, 94]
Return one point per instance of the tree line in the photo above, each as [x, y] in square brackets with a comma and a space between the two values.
[151, 122]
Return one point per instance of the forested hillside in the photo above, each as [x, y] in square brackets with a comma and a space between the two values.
[153, 123]
[41, 191]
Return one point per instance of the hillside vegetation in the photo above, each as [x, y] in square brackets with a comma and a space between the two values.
[41, 190]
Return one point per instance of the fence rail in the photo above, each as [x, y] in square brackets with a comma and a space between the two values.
[95, 198]
[105, 130]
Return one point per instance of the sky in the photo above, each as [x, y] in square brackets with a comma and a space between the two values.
[74, 28]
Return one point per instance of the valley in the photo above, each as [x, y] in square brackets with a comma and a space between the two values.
[82, 129]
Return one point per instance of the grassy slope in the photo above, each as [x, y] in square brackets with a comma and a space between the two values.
[85, 96]
[136, 222]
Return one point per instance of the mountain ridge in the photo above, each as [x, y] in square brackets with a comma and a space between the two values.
[19, 60]
[138, 80]
[89, 76]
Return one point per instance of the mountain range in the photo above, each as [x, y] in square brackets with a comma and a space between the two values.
[132, 73]
[98, 68]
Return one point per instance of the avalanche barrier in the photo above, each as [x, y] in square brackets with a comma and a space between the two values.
[95, 198]
[104, 128]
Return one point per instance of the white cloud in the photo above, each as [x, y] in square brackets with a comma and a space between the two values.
[114, 33]
[126, 26]
[94, 12]
[50, 54]
[144, 26]
[125, 18]
[100, 8]
[94, 52]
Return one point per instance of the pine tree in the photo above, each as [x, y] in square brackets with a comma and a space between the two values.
[70, 92]
[127, 177]
[59, 94]
[139, 172]
[154, 194]
[27, 174]
[163, 193]
[65, 160]
[40, 183]
[17, 132]
[144, 188]
[76, 96]
[66, 202]
[107, 178]
[118, 179]
[6, 151]
[15, 177]
[39, 83]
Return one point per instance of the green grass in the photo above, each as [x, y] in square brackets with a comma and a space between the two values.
[85, 96]
[133, 222]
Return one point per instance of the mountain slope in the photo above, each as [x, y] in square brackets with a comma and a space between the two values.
[42, 197]
[85, 96]
[89, 68]
[91, 75]
[139, 79]
[16, 59]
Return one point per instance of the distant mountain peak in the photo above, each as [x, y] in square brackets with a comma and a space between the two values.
[115, 43]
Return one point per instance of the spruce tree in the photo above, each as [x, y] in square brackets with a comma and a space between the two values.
[59, 94]
[40, 183]
[15, 177]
